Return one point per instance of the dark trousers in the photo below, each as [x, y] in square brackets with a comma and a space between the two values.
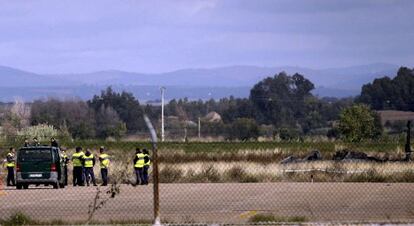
[78, 176]
[89, 174]
[10, 176]
[146, 174]
[139, 173]
[65, 172]
[104, 174]
[83, 174]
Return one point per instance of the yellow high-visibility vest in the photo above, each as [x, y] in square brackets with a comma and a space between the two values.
[10, 160]
[77, 159]
[149, 160]
[104, 158]
[88, 161]
[140, 163]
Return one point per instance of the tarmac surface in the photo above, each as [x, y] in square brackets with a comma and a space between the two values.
[221, 202]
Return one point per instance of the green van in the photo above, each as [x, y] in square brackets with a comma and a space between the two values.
[40, 165]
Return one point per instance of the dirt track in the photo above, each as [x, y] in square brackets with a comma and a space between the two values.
[222, 202]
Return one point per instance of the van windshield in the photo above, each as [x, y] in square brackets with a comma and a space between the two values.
[35, 155]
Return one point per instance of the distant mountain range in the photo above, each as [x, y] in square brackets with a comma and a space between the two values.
[192, 83]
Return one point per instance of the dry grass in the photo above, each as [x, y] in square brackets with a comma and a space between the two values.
[20, 218]
[244, 166]
[265, 156]
[267, 218]
[299, 172]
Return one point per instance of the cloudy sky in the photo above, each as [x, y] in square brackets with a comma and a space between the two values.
[157, 36]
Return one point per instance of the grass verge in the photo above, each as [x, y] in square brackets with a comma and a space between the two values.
[20, 218]
[263, 218]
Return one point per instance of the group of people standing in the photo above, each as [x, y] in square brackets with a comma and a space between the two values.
[83, 164]
[142, 162]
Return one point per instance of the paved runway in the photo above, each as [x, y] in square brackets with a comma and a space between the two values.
[226, 203]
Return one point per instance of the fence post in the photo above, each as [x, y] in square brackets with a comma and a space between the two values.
[156, 188]
[155, 172]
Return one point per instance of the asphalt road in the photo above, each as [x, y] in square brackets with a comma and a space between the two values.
[227, 203]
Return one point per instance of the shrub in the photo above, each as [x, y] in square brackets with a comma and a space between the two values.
[236, 173]
[170, 175]
[407, 176]
[17, 219]
[359, 123]
[210, 174]
[270, 218]
[43, 132]
[370, 176]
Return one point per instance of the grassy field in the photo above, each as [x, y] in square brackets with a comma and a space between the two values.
[192, 147]
[255, 161]
[253, 166]
[189, 147]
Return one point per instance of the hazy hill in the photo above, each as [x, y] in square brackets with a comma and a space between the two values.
[11, 77]
[347, 78]
[232, 80]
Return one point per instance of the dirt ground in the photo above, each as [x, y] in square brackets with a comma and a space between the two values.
[221, 203]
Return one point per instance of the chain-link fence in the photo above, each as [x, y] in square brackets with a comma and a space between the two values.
[227, 183]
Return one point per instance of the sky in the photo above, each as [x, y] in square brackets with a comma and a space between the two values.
[76, 36]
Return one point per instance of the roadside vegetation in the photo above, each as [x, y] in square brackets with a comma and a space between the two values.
[20, 218]
[263, 218]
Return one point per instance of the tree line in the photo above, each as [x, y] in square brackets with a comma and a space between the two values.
[281, 106]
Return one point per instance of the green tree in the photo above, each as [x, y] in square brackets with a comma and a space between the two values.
[280, 100]
[386, 93]
[42, 132]
[358, 123]
[243, 129]
[108, 124]
[125, 105]
[74, 116]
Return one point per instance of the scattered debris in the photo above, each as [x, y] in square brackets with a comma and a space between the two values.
[312, 156]
[291, 159]
[349, 155]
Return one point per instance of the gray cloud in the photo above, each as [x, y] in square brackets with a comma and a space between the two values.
[155, 36]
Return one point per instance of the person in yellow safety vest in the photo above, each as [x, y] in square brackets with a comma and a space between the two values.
[88, 164]
[10, 167]
[147, 164]
[104, 160]
[139, 163]
[77, 161]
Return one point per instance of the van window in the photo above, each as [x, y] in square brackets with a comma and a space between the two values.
[35, 155]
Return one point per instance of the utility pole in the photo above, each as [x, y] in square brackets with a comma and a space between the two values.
[162, 113]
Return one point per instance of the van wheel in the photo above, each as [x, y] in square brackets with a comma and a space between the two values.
[56, 185]
[19, 186]
[25, 186]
